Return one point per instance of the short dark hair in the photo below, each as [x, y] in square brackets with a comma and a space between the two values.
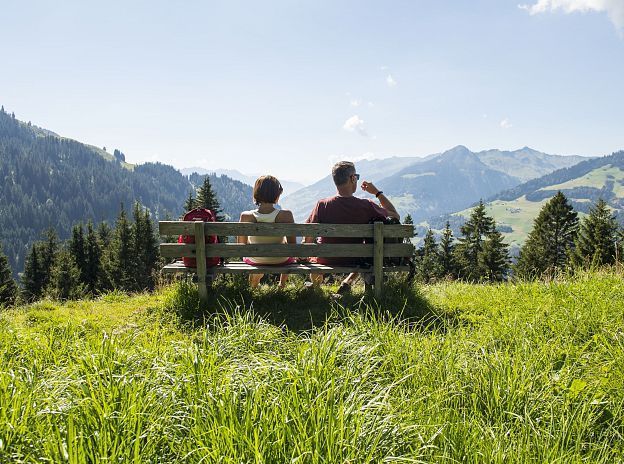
[341, 172]
[266, 190]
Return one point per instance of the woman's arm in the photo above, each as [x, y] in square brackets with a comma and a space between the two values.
[286, 216]
[245, 217]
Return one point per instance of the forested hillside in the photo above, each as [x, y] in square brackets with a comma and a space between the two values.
[47, 181]
[583, 185]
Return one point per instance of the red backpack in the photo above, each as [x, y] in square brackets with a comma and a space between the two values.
[199, 214]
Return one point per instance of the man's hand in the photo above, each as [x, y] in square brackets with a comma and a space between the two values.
[369, 187]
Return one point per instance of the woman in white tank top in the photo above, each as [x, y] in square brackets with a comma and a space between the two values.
[266, 193]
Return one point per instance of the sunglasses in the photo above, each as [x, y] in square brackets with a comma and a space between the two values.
[357, 176]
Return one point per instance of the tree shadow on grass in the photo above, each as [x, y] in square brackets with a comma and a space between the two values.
[298, 308]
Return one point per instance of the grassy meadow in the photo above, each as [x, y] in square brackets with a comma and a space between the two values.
[452, 373]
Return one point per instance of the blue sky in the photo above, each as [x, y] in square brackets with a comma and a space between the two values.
[288, 87]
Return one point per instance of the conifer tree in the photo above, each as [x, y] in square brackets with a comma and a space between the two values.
[49, 250]
[122, 265]
[8, 288]
[33, 278]
[427, 259]
[408, 219]
[104, 239]
[206, 198]
[549, 244]
[77, 250]
[146, 248]
[597, 236]
[65, 278]
[189, 204]
[470, 245]
[93, 266]
[447, 259]
[494, 258]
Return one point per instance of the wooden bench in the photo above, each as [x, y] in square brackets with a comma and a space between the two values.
[199, 250]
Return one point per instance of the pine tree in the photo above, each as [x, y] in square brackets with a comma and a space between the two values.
[447, 259]
[428, 265]
[93, 265]
[206, 198]
[77, 250]
[146, 248]
[65, 278]
[33, 277]
[494, 258]
[122, 270]
[49, 250]
[8, 288]
[549, 244]
[189, 204]
[597, 237]
[408, 219]
[104, 239]
[470, 246]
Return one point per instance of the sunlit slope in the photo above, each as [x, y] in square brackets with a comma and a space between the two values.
[583, 184]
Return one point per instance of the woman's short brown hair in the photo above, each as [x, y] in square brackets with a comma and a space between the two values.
[267, 190]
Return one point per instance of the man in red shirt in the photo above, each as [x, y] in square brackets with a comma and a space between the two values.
[344, 208]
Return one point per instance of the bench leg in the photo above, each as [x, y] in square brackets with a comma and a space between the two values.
[203, 290]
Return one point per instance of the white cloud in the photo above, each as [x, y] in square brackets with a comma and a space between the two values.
[506, 124]
[390, 81]
[355, 102]
[613, 8]
[383, 68]
[370, 104]
[355, 124]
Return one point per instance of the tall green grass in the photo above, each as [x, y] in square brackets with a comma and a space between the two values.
[448, 373]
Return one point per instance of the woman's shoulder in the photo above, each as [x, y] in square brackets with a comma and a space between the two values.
[284, 215]
[247, 216]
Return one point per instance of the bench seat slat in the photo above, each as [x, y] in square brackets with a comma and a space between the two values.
[276, 230]
[243, 268]
[227, 250]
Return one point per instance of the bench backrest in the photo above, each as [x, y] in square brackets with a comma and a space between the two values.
[377, 231]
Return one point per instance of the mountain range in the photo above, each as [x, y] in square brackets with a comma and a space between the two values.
[439, 183]
[583, 184]
[50, 181]
[289, 186]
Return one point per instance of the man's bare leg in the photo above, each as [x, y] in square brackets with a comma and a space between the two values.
[317, 279]
[283, 280]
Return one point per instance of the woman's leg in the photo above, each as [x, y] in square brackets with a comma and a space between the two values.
[254, 279]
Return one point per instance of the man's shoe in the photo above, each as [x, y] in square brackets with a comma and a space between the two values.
[344, 288]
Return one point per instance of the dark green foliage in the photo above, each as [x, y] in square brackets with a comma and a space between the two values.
[122, 255]
[550, 242]
[32, 278]
[145, 247]
[595, 244]
[475, 260]
[8, 288]
[189, 204]
[92, 276]
[408, 219]
[447, 247]
[65, 282]
[428, 266]
[234, 196]
[77, 250]
[494, 258]
[49, 181]
[206, 198]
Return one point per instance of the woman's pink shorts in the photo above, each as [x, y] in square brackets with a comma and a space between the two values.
[252, 263]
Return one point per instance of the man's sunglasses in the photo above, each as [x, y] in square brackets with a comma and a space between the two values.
[357, 176]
